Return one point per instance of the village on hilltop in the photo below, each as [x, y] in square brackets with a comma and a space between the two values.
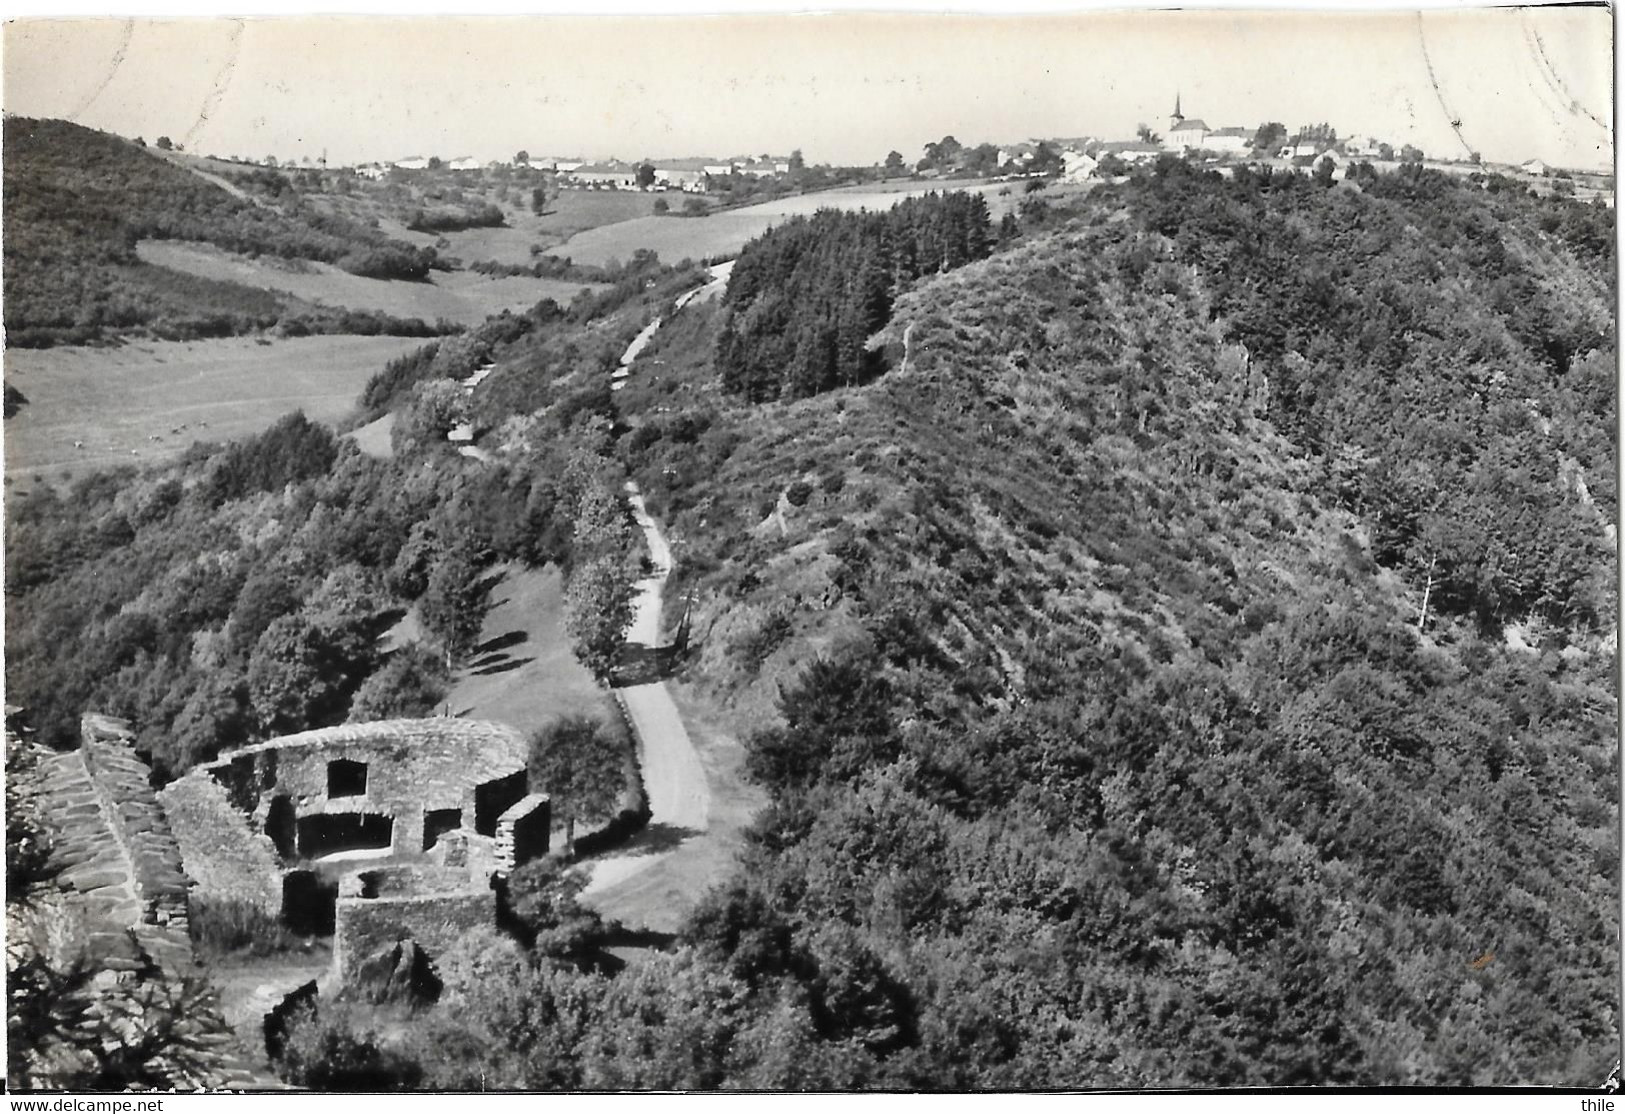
[1314, 148]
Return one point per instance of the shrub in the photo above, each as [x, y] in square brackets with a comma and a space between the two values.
[223, 926]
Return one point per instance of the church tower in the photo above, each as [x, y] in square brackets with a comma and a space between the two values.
[1178, 117]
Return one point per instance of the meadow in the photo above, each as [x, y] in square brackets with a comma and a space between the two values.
[115, 401]
[724, 233]
[462, 297]
[569, 213]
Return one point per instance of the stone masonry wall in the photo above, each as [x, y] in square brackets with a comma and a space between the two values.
[435, 922]
[413, 766]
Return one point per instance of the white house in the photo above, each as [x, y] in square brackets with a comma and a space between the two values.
[1535, 168]
[416, 162]
[603, 176]
[1079, 166]
[1228, 141]
[1300, 150]
[1362, 147]
[718, 169]
[464, 163]
[687, 179]
[1131, 151]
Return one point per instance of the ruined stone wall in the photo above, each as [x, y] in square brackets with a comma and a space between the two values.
[121, 875]
[229, 860]
[138, 823]
[522, 832]
[412, 767]
[435, 922]
[121, 867]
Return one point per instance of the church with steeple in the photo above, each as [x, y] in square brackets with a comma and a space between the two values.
[1183, 134]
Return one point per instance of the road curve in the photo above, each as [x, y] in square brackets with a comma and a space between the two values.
[674, 779]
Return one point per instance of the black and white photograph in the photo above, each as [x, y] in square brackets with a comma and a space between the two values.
[839, 552]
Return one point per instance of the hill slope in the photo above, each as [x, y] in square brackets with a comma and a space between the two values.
[78, 200]
[1126, 764]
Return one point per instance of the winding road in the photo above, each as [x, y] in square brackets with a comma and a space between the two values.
[625, 884]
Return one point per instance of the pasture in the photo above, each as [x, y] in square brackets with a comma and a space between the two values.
[150, 401]
[460, 296]
[570, 212]
[724, 233]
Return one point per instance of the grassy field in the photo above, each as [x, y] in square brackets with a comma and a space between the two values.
[571, 212]
[523, 673]
[114, 401]
[460, 296]
[678, 238]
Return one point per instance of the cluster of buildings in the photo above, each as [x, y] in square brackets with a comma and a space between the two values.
[1187, 136]
[693, 175]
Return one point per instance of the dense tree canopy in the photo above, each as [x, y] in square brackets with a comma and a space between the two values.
[804, 298]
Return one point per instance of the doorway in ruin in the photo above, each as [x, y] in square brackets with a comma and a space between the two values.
[279, 825]
[494, 798]
[309, 903]
[327, 833]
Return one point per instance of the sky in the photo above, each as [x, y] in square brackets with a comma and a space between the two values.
[845, 88]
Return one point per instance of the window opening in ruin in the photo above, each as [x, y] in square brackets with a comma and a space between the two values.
[437, 822]
[279, 825]
[328, 833]
[346, 778]
[494, 798]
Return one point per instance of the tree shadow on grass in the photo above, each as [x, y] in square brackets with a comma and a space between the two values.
[656, 839]
[501, 642]
[499, 665]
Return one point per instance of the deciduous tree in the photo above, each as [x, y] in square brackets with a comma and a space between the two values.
[582, 767]
[597, 610]
[454, 603]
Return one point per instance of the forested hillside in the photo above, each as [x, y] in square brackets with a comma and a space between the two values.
[1116, 748]
[78, 200]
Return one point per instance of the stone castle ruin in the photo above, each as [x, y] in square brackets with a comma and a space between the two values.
[373, 833]
[387, 837]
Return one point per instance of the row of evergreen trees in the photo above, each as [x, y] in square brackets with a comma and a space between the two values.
[805, 297]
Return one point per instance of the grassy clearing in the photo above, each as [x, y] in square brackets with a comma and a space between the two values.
[115, 400]
[459, 296]
[374, 437]
[527, 675]
[678, 238]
